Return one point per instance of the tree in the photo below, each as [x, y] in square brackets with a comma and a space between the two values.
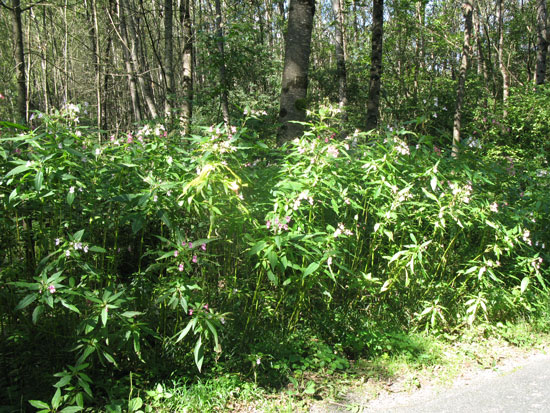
[373, 104]
[168, 58]
[187, 66]
[340, 55]
[542, 42]
[295, 71]
[466, 53]
[223, 76]
[19, 55]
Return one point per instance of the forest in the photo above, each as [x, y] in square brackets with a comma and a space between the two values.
[208, 201]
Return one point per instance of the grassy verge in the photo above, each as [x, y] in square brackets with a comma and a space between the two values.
[410, 362]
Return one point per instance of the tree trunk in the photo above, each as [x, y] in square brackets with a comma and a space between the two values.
[132, 84]
[19, 54]
[373, 104]
[187, 105]
[94, 41]
[168, 59]
[466, 54]
[501, 64]
[295, 70]
[135, 59]
[223, 76]
[340, 55]
[542, 42]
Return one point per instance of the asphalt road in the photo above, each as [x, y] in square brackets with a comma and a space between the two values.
[524, 390]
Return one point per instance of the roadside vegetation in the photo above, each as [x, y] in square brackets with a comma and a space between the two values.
[148, 272]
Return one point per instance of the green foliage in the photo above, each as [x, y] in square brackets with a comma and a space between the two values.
[146, 256]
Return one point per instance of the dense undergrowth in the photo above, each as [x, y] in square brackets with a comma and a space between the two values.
[148, 258]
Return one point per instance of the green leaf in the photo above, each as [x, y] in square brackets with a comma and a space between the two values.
[199, 354]
[98, 249]
[311, 269]
[310, 387]
[131, 314]
[70, 306]
[18, 170]
[213, 330]
[70, 198]
[273, 260]
[186, 329]
[78, 235]
[8, 124]
[109, 358]
[104, 313]
[27, 300]
[37, 313]
[524, 284]
[38, 179]
[56, 399]
[39, 404]
[63, 381]
[433, 183]
[71, 409]
[137, 224]
[272, 277]
[135, 404]
[257, 247]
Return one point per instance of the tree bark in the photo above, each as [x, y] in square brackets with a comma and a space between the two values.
[19, 54]
[542, 42]
[466, 55]
[132, 83]
[295, 70]
[135, 60]
[501, 64]
[373, 104]
[223, 76]
[340, 55]
[168, 59]
[187, 105]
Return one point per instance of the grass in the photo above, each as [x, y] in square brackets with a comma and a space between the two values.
[410, 362]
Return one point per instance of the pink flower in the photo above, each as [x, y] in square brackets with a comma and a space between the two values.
[176, 252]
[2, 96]
[190, 245]
[51, 288]
[206, 306]
[190, 311]
[194, 259]
[203, 247]
[180, 267]
[287, 219]
[268, 224]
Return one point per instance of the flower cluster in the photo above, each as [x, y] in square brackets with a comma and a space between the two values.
[342, 230]
[526, 236]
[278, 225]
[401, 147]
[303, 195]
[464, 193]
[194, 258]
[536, 263]
[71, 111]
[73, 246]
[332, 151]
